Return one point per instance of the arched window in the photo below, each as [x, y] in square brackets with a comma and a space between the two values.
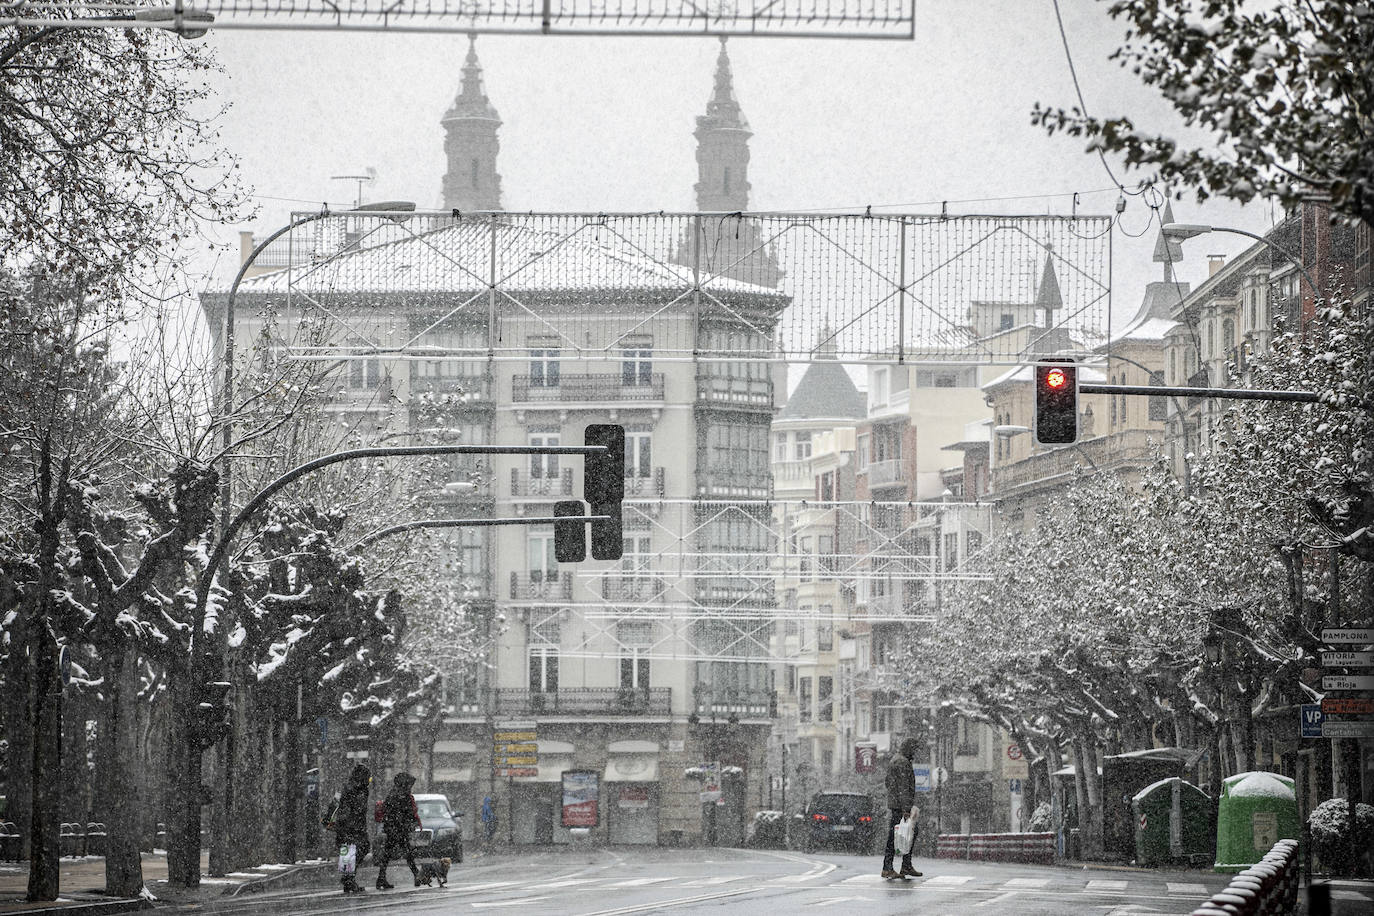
[1211, 339]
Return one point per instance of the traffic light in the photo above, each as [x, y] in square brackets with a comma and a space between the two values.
[1056, 402]
[212, 713]
[569, 538]
[603, 486]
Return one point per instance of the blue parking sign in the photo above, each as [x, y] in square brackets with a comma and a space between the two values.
[922, 774]
[1312, 720]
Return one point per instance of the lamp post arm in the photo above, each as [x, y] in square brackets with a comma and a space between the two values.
[1316, 294]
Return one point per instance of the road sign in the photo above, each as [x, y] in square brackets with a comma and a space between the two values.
[922, 773]
[1356, 635]
[1348, 729]
[1311, 720]
[515, 749]
[1347, 706]
[1015, 765]
[1348, 659]
[1348, 682]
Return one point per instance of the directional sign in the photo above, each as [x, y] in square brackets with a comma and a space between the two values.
[1348, 729]
[1311, 720]
[1348, 659]
[1347, 706]
[1348, 682]
[1357, 635]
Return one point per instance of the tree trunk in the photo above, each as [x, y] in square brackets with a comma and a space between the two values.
[120, 792]
[293, 780]
[46, 761]
[18, 722]
[1091, 827]
[1080, 785]
[184, 775]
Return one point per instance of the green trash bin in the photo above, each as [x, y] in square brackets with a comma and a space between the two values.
[1173, 823]
[1255, 811]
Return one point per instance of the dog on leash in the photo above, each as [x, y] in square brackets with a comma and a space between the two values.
[432, 871]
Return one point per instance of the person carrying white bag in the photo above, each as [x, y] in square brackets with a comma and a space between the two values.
[901, 804]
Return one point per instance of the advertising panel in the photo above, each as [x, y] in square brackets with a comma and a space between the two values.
[581, 794]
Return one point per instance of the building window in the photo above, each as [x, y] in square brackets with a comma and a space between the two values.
[825, 487]
[365, 373]
[1158, 408]
[725, 180]
[825, 699]
[543, 669]
[951, 549]
[544, 466]
[804, 699]
[827, 760]
[825, 637]
[1173, 365]
[476, 166]
[973, 542]
[879, 386]
[474, 552]
[780, 446]
[634, 669]
[1005, 322]
[638, 454]
[861, 451]
[802, 446]
[635, 554]
[543, 564]
[1228, 335]
[1211, 339]
[543, 368]
[966, 738]
[636, 366]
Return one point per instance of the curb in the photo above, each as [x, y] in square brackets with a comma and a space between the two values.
[258, 885]
[96, 908]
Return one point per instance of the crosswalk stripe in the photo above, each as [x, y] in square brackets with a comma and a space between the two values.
[712, 882]
[1027, 882]
[1181, 887]
[1102, 886]
[949, 879]
[638, 882]
[566, 882]
[519, 901]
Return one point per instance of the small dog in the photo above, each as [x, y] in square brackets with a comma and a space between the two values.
[431, 871]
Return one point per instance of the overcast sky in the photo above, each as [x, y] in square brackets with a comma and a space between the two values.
[605, 124]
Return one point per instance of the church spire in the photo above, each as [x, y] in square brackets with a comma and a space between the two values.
[470, 143]
[1167, 251]
[723, 146]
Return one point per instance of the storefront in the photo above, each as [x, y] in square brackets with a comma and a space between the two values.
[451, 774]
[534, 805]
[631, 795]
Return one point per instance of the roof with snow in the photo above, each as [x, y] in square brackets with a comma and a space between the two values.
[1152, 321]
[457, 258]
[1025, 373]
[825, 392]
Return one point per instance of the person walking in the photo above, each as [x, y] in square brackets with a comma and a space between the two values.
[400, 817]
[489, 818]
[901, 804]
[349, 821]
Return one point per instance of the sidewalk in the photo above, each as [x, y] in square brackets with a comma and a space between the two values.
[83, 882]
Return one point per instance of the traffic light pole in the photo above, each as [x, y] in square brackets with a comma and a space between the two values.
[1253, 394]
[473, 523]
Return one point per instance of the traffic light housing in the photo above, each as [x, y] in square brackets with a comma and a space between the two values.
[603, 486]
[569, 538]
[1056, 402]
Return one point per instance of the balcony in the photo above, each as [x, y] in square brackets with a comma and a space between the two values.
[725, 483]
[453, 390]
[729, 391]
[743, 703]
[541, 586]
[580, 701]
[886, 473]
[1123, 449]
[754, 591]
[523, 483]
[603, 388]
[651, 487]
[632, 588]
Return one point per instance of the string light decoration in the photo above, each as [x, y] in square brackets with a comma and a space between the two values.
[968, 290]
[891, 19]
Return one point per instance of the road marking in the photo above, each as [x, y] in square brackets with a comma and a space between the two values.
[664, 904]
[998, 899]
[1180, 887]
[1100, 886]
[520, 901]
[638, 882]
[483, 887]
[870, 879]
[567, 882]
[835, 900]
[1348, 895]
[712, 882]
[1027, 882]
[949, 879]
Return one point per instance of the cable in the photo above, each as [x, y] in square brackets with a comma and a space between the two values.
[1083, 106]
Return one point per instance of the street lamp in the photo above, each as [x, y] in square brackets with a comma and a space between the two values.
[1182, 231]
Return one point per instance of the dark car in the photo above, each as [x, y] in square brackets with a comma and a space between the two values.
[441, 828]
[844, 820]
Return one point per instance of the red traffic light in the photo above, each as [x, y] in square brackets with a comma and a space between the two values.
[1056, 378]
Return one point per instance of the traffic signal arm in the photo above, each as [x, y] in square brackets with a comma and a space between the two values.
[1177, 391]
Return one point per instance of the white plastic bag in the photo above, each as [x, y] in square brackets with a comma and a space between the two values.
[903, 835]
[348, 859]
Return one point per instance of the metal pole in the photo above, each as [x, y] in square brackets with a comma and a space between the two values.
[1254, 394]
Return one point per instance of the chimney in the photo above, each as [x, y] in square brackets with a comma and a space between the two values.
[1214, 263]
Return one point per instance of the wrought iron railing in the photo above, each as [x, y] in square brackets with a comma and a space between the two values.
[606, 387]
[731, 483]
[645, 487]
[737, 392]
[581, 701]
[524, 483]
[454, 390]
[629, 587]
[755, 703]
[541, 586]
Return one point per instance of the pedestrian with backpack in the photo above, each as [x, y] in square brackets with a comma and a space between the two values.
[348, 819]
[400, 817]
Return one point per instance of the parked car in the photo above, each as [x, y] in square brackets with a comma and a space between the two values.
[845, 820]
[441, 828]
[768, 830]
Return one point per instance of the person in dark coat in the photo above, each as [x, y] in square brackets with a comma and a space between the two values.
[400, 817]
[901, 804]
[350, 820]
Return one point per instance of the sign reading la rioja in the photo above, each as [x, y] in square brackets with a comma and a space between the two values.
[1348, 682]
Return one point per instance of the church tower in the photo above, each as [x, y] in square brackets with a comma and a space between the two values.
[729, 246]
[723, 146]
[470, 143]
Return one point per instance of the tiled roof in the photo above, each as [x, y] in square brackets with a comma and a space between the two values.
[825, 392]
